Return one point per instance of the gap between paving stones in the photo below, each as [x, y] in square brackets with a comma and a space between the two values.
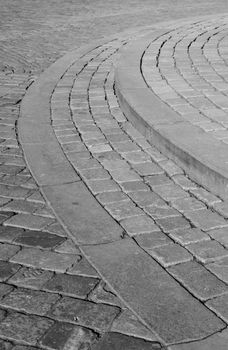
[61, 209]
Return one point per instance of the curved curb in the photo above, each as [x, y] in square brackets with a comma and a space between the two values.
[205, 161]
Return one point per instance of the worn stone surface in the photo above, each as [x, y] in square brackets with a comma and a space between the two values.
[4, 289]
[170, 254]
[152, 240]
[67, 336]
[83, 268]
[191, 235]
[39, 239]
[220, 269]
[29, 301]
[76, 286]
[220, 306]
[207, 251]
[216, 341]
[127, 323]
[7, 269]
[31, 222]
[198, 280]
[102, 294]
[220, 235]
[170, 224]
[206, 219]
[174, 314]
[117, 341]
[85, 313]
[23, 328]
[138, 224]
[73, 201]
[31, 277]
[7, 251]
[46, 260]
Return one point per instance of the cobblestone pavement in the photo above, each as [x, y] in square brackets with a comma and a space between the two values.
[51, 297]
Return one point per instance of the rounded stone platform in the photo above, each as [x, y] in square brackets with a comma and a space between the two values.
[173, 87]
[156, 237]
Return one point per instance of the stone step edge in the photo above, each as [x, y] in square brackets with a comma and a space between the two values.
[191, 148]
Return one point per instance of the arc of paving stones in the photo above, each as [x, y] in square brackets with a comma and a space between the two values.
[176, 69]
[101, 158]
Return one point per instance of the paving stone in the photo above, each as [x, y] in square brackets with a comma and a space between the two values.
[4, 201]
[22, 206]
[220, 306]
[84, 313]
[90, 229]
[7, 251]
[14, 192]
[170, 224]
[153, 239]
[45, 212]
[67, 336]
[136, 157]
[125, 147]
[138, 224]
[123, 175]
[220, 269]
[5, 345]
[29, 301]
[127, 323]
[111, 197]
[101, 294]
[46, 260]
[95, 174]
[83, 268]
[158, 212]
[186, 204]
[7, 269]
[86, 163]
[68, 247]
[198, 280]
[30, 222]
[39, 239]
[170, 192]
[216, 341]
[222, 208]
[8, 234]
[57, 229]
[31, 277]
[170, 254]
[179, 315]
[122, 210]
[206, 219]
[117, 341]
[207, 251]
[4, 289]
[102, 186]
[191, 235]
[36, 197]
[76, 286]
[205, 196]
[23, 328]
[147, 168]
[158, 180]
[170, 167]
[131, 186]
[220, 235]
[112, 165]
[146, 198]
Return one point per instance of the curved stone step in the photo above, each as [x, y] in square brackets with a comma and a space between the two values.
[150, 102]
